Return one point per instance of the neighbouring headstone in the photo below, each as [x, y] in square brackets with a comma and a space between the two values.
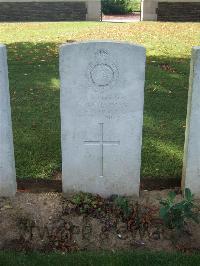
[102, 92]
[7, 162]
[191, 162]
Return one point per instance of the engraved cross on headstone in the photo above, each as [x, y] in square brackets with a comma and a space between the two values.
[101, 143]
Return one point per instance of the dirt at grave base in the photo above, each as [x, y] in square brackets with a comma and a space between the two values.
[48, 221]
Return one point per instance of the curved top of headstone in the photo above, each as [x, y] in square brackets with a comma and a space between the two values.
[103, 42]
[101, 59]
[196, 48]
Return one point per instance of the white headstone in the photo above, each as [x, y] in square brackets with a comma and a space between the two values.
[102, 91]
[191, 162]
[7, 163]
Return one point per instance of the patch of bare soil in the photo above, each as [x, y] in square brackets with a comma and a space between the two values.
[48, 221]
[55, 184]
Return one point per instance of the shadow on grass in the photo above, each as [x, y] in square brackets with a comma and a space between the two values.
[95, 258]
[164, 116]
[34, 84]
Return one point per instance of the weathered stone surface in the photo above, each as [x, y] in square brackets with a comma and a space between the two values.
[191, 163]
[102, 91]
[7, 163]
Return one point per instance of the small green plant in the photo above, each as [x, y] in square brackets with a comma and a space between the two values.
[87, 202]
[123, 204]
[175, 215]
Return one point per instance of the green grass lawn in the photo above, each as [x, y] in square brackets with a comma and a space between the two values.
[34, 85]
[95, 259]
